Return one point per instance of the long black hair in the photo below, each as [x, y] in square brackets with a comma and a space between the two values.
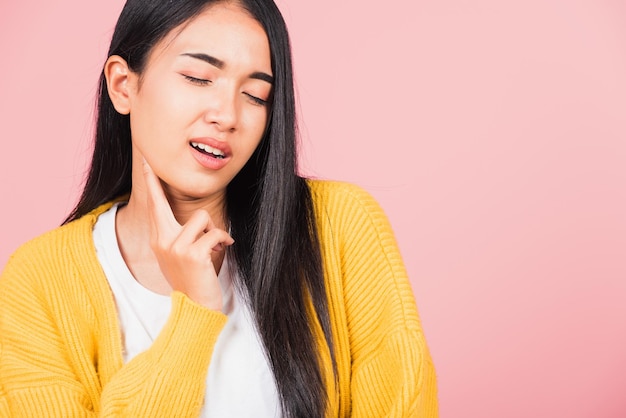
[269, 206]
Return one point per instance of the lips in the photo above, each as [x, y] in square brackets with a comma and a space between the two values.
[210, 152]
[207, 149]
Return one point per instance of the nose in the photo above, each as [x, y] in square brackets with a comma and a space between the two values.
[222, 108]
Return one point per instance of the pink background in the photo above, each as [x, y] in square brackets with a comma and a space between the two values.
[492, 132]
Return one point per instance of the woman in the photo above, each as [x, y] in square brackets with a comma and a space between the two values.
[199, 274]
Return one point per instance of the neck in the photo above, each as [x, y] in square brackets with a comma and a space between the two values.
[135, 214]
[133, 228]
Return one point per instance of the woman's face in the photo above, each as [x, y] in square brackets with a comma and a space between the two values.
[199, 109]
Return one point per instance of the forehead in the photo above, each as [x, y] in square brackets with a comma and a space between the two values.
[224, 30]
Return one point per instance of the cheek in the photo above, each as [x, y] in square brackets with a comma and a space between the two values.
[259, 132]
[159, 114]
[251, 137]
[256, 122]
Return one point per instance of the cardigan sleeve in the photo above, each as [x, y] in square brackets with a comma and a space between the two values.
[392, 370]
[4, 406]
[169, 378]
[51, 343]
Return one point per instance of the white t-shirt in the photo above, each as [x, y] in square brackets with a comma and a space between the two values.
[239, 382]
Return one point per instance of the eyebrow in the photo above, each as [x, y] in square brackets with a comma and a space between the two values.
[216, 62]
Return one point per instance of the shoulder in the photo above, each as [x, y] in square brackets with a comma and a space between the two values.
[53, 251]
[52, 243]
[35, 269]
[343, 199]
[324, 191]
[362, 259]
[349, 206]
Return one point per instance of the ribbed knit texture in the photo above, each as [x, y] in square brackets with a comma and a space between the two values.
[61, 351]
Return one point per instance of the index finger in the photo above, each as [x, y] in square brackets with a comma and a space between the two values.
[159, 208]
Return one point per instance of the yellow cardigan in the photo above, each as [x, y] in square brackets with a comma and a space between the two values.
[61, 351]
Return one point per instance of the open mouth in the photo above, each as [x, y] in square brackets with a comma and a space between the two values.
[208, 150]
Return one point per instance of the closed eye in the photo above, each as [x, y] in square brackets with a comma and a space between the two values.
[197, 81]
[256, 100]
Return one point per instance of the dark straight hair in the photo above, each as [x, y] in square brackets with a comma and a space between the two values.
[269, 206]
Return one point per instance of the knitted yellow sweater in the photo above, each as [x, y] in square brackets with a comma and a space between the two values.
[61, 351]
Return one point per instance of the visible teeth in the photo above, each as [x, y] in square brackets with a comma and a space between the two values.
[209, 149]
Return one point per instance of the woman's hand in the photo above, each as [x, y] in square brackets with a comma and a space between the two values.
[184, 251]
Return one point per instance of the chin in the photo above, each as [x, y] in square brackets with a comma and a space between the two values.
[194, 191]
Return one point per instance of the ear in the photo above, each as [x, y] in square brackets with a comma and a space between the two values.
[120, 83]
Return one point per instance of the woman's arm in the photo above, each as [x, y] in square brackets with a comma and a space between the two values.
[61, 353]
[169, 378]
[392, 370]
